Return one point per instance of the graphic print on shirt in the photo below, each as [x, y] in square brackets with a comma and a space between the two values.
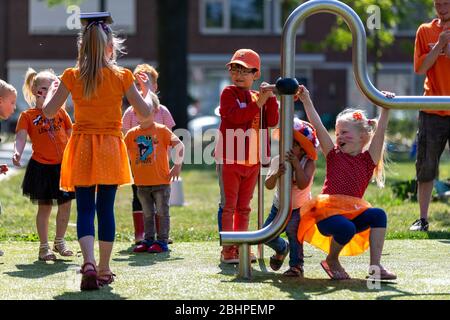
[47, 125]
[146, 146]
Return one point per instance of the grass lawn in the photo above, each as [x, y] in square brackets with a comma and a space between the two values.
[191, 270]
[197, 220]
[193, 263]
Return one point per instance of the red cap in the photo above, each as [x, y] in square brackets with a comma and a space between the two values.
[246, 58]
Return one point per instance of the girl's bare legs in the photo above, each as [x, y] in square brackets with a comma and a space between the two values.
[42, 218]
[105, 256]
[376, 245]
[62, 219]
[87, 248]
[333, 256]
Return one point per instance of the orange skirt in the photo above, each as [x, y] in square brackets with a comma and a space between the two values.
[92, 159]
[324, 206]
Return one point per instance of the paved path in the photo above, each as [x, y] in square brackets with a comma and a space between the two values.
[6, 152]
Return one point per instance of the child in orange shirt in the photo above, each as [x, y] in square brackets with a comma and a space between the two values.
[41, 181]
[130, 120]
[148, 146]
[8, 96]
[95, 160]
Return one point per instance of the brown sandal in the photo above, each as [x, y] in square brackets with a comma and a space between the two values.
[89, 278]
[295, 271]
[45, 254]
[61, 247]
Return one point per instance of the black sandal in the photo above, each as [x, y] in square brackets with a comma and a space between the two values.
[276, 263]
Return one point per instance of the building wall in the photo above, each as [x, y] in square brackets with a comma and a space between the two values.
[328, 74]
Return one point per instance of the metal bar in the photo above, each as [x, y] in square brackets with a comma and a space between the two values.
[262, 153]
[359, 60]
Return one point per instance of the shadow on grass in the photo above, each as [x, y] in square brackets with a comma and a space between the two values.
[41, 269]
[304, 288]
[101, 294]
[143, 259]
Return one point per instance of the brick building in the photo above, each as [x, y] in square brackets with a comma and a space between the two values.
[31, 34]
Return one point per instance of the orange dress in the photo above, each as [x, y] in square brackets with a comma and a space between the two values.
[96, 153]
[324, 206]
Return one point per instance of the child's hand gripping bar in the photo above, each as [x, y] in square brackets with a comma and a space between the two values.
[286, 86]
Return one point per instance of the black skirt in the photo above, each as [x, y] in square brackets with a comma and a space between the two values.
[41, 184]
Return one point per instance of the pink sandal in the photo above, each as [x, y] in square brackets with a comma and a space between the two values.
[334, 274]
[89, 278]
[106, 278]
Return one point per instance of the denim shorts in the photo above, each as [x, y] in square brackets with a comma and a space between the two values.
[433, 135]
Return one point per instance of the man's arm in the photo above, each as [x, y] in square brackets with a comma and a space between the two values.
[431, 57]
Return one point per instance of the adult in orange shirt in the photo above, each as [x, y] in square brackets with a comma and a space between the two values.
[432, 58]
[95, 159]
[148, 145]
[41, 181]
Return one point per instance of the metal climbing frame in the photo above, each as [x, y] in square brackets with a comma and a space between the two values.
[359, 60]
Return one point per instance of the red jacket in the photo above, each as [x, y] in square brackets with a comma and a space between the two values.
[238, 110]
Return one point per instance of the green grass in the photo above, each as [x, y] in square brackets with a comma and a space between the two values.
[192, 271]
[197, 220]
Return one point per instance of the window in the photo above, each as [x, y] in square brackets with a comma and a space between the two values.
[249, 16]
[235, 16]
[43, 19]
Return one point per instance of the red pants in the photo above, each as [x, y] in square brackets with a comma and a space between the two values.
[237, 184]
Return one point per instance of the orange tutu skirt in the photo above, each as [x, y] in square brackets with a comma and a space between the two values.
[92, 159]
[324, 206]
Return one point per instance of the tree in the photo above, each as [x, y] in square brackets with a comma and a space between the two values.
[392, 14]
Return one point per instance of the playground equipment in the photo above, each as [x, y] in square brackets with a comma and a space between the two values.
[359, 61]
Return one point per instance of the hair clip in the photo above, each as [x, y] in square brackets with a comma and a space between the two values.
[357, 115]
[99, 23]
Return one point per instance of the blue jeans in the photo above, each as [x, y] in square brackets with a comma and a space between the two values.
[279, 244]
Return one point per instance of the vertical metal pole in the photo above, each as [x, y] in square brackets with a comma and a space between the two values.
[262, 153]
[245, 271]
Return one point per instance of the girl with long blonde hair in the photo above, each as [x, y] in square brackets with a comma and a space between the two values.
[95, 161]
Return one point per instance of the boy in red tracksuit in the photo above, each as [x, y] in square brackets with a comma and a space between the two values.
[237, 150]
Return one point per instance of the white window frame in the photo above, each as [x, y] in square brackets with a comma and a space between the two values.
[63, 30]
[226, 28]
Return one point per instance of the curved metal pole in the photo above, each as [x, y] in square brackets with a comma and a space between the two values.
[359, 60]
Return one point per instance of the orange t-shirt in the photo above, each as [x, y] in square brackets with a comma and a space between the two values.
[148, 152]
[437, 82]
[101, 113]
[48, 136]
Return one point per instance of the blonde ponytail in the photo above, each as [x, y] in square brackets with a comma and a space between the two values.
[92, 43]
[27, 88]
